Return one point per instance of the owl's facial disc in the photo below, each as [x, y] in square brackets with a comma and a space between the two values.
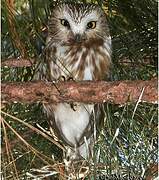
[78, 23]
[78, 31]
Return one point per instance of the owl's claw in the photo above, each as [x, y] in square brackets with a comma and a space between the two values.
[62, 79]
[70, 79]
[74, 106]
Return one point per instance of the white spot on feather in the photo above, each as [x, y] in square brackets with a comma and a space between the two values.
[87, 74]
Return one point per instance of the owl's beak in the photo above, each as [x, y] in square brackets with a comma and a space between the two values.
[78, 38]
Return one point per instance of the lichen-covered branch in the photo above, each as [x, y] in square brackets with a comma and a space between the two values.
[118, 92]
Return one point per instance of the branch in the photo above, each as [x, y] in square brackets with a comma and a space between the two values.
[118, 92]
[17, 62]
[23, 62]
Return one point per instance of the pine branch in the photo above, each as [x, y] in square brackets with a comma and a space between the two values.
[118, 92]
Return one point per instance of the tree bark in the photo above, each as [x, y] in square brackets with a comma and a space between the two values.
[118, 92]
[21, 62]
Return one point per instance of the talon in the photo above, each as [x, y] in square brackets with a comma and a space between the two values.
[62, 78]
[74, 106]
[70, 79]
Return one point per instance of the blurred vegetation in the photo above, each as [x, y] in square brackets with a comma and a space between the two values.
[128, 143]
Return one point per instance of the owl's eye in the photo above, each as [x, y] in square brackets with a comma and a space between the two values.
[91, 25]
[65, 23]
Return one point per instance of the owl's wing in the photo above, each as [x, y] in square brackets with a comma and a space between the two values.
[55, 126]
[48, 108]
[43, 66]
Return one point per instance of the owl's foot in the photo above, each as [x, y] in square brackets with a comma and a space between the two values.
[74, 106]
[61, 79]
[70, 79]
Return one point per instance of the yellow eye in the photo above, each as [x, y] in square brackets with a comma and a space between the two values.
[91, 25]
[64, 22]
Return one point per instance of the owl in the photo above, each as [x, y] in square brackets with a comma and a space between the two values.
[78, 47]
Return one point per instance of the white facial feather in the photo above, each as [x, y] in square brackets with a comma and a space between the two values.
[80, 27]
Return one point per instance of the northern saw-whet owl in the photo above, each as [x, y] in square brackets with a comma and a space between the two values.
[78, 46]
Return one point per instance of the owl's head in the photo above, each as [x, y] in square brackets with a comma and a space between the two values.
[77, 23]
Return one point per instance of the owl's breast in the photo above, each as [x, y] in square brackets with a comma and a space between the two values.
[82, 62]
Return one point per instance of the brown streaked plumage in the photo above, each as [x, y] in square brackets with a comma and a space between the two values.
[78, 46]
